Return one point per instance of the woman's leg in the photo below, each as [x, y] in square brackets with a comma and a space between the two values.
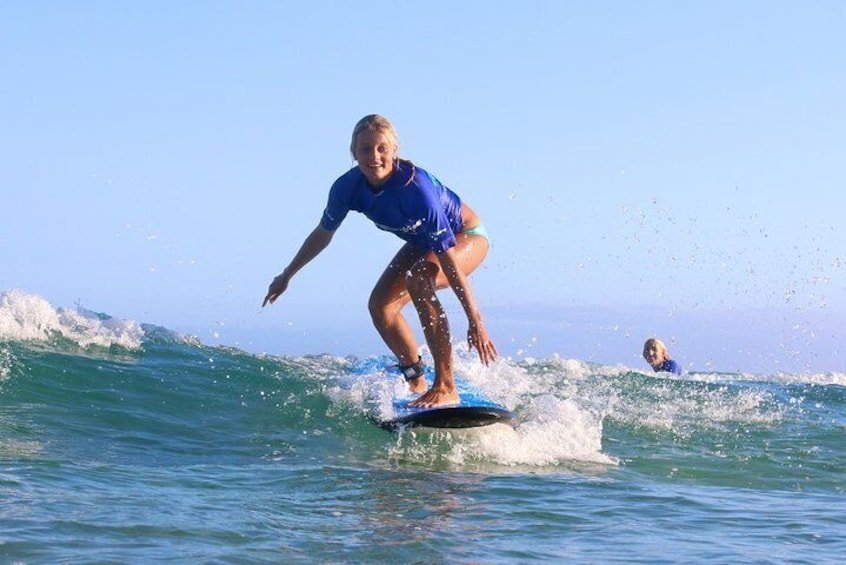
[414, 272]
[386, 302]
[422, 281]
[422, 286]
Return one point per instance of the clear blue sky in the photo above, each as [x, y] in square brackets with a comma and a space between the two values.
[643, 167]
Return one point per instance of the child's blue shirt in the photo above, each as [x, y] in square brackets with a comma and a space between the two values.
[670, 366]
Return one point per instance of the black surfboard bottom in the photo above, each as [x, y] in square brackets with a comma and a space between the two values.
[452, 417]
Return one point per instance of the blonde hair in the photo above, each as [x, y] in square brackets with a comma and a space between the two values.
[374, 122]
[659, 346]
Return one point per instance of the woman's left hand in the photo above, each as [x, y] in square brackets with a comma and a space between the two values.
[477, 338]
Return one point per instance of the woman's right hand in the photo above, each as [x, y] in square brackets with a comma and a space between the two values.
[276, 288]
[316, 242]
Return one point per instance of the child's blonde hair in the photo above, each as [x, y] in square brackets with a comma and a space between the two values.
[659, 347]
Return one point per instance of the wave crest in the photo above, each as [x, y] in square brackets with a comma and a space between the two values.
[26, 317]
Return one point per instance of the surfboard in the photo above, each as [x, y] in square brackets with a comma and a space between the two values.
[473, 410]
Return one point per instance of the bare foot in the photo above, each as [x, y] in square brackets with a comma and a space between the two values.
[436, 397]
[418, 385]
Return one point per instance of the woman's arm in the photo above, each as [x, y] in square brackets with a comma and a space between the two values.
[316, 242]
[477, 335]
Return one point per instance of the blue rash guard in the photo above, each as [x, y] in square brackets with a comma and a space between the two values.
[669, 366]
[412, 204]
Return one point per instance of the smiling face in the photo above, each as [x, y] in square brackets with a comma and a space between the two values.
[655, 352]
[375, 152]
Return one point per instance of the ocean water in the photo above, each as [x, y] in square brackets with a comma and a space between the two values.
[122, 442]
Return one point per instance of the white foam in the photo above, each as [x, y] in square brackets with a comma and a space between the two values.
[551, 431]
[5, 363]
[561, 407]
[553, 426]
[27, 317]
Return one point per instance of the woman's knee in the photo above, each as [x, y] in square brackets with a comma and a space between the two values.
[383, 309]
[420, 279]
[377, 308]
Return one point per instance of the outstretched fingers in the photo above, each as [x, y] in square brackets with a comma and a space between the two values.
[487, 353]
[275, 290]
[478, 339]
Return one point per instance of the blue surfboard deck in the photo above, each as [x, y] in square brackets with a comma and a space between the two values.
[473, 410]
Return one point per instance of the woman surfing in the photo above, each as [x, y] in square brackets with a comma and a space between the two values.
[445, 241]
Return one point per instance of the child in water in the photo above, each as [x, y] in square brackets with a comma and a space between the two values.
[656, 354]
